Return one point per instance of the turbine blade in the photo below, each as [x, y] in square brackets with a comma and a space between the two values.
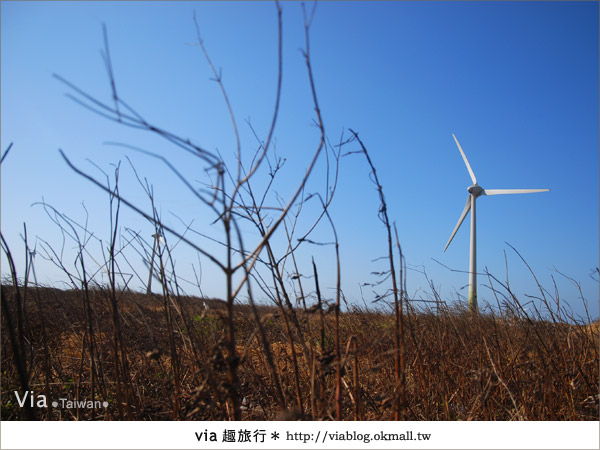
[460, 220]
[466, 160]
[511, 191]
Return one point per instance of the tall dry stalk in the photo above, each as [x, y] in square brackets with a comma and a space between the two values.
[17, 338]
[397, 295]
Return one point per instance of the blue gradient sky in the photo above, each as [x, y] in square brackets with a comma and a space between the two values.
[517, 82]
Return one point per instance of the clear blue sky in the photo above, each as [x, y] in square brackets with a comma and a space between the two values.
[517, 82]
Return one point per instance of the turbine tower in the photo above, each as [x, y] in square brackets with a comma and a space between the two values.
[476, 191]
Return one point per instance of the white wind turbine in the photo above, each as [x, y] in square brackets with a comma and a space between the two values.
[475, 191]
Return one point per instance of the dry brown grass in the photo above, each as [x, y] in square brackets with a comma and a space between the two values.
[459, 366]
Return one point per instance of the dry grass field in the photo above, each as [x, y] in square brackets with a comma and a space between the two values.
[168, 360]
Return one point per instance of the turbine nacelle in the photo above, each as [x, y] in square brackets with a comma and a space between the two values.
[476, 190]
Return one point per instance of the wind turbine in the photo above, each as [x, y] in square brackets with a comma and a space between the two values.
[476, 191]
[157, 240]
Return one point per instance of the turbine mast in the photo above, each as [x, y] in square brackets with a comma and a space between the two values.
[154, 246]
[473, 259]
